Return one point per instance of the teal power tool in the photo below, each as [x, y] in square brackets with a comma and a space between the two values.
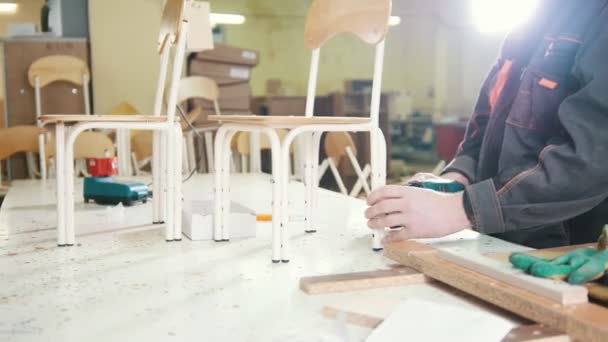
[103, 189]
[441, 185]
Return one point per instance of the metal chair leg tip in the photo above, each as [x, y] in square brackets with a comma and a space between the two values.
[377, 249]
[159, 222]
[177, 240]
[285, 261]
[69, 245]
[310, 231]
[276, 261]
[61, 245]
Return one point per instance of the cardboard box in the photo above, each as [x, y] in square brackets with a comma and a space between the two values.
[234, 96]
[197, 220]
[222, 73]
[230, 55]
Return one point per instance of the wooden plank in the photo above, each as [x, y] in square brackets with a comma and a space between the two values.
[558, 291]
[535, 333]
[587, 322]
[102, 118]
[397, 276]
[288, 120]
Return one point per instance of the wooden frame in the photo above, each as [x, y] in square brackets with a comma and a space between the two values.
[368, 19]
[585, 321]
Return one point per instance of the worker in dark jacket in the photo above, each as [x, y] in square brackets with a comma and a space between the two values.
[535, 153]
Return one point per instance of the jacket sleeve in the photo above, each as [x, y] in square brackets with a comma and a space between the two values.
[571, 177]
[465, 161]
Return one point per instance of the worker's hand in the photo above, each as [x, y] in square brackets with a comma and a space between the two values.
[578, 266]
[420, 212]
[424, 176]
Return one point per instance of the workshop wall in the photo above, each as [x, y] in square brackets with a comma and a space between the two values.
[27, 12]
[433, 55]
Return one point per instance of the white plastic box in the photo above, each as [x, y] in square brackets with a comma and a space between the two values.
[197, 222]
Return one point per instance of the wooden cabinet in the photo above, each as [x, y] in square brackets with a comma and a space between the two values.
[57, 98]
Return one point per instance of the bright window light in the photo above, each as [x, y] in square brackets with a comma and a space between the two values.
[8, 8]
[394, 20]
[492, 16]
[226, 19]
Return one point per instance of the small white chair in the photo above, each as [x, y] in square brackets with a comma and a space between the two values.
[368, 20]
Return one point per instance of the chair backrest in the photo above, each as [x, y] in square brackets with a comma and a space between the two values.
[19, 139]
[367, 19]
[336, 144]
[88, 144]
[171, 24]
[141, 144]
[56, 68]
[198, 87]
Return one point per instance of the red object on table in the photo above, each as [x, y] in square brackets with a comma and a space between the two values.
[449, 137]
[102, 167]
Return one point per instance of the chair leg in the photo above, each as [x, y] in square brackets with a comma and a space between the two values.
[309, 181]
[156, 178]
[378, 167]
[337, 177]
[209, 151]
[363, 179]
[177, 176]
[191, 151]
[226, 200]
[42, 156]
[218, 185]
[284, 184]
[69, 190]
[60, 175]
[185, 161]
[314, 200]
[168, 167]
[277, 174]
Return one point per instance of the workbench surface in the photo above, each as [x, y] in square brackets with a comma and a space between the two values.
[129, 284]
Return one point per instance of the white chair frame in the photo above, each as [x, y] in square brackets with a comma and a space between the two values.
[280, 176]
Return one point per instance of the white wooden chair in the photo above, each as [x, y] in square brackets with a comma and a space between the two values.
[48, 70]
[166, 164]
[338, 146]
[368, 20]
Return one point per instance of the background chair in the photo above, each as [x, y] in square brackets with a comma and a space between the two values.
[18, 139]
[368, 20]
[47, 70]
[340, 146]
[88, 144]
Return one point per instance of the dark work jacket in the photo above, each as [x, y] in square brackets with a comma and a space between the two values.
[536, 147]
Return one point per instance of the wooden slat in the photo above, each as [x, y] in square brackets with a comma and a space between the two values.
[556, 290]
[587, 322]
[535, 333]
[287, 120]
[346, 282]
[102, 118]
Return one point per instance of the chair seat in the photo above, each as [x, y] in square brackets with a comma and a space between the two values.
[101, 118]
[288, 121]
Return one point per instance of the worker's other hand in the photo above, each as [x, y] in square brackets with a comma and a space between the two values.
[578, 266]
[454, 176]
[421, 213]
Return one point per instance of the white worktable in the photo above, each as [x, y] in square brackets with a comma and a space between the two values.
[129, 284]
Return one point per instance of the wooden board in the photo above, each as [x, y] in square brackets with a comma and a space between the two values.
[287, 120]
[596, 290]
[102, 118]
[535, 333]
[556, 290]
[345, 282]
[355, 318]
[587, 322]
